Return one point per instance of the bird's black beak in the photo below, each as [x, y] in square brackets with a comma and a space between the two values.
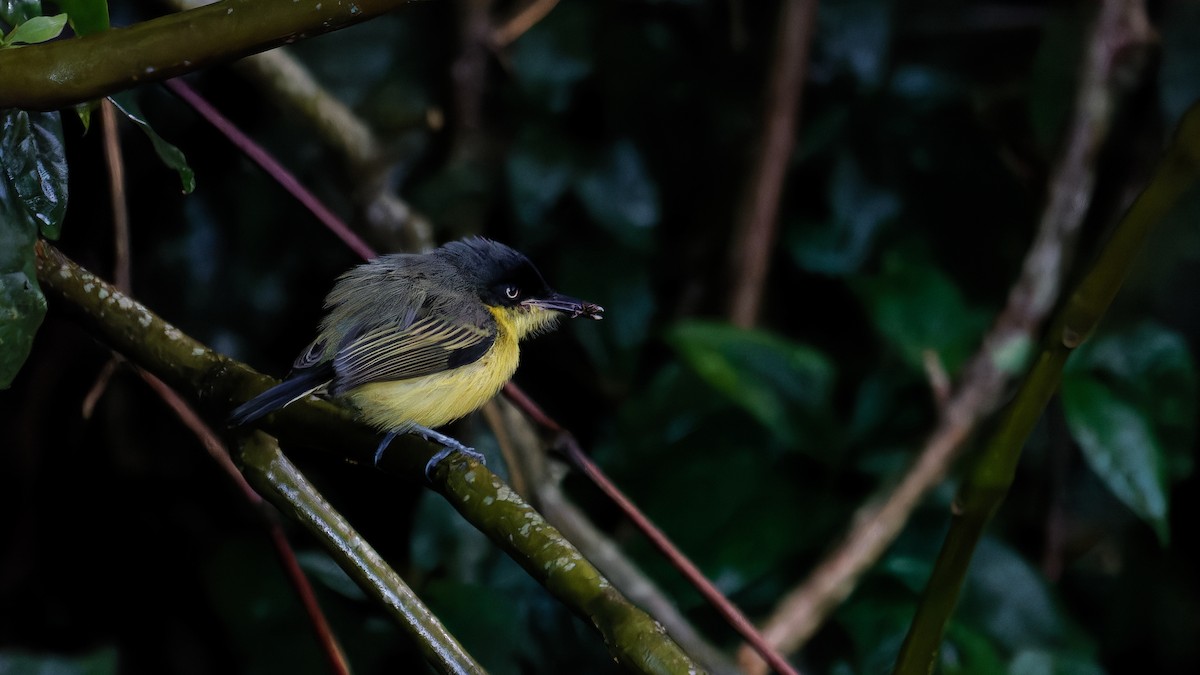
[567, 305]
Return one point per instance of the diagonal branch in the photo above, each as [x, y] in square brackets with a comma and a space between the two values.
[1001, 358]
[215, 381]
[393, 224]
[279, 480]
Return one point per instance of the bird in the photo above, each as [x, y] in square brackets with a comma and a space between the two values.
[411, 342]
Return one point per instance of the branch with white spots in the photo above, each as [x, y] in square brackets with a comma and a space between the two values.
[215, 382]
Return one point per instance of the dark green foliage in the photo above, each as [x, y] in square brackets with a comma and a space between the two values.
[33, 200]
[614, 146]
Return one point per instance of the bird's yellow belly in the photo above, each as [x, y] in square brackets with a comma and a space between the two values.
[434, 400]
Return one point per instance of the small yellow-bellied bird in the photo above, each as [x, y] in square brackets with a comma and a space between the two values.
[414, 341]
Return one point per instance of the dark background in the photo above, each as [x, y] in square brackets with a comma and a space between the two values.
[616, 139]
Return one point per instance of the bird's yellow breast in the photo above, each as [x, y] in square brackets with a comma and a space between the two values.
[434, 400]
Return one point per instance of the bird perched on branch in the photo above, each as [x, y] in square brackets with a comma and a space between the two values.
[415, 341]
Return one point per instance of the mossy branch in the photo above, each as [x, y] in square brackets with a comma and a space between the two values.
[215, 382]
[273, 476]
[990, 478]
[66, 72]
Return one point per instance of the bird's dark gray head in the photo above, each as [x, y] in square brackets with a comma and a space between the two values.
[502, 276]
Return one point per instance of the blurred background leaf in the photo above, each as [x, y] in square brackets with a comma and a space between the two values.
[611, 142]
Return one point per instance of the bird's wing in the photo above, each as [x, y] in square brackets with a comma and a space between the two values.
[394, 351]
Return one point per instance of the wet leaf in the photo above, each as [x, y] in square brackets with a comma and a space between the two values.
[35, 30]
[169, 154]
[916, 307]
[1045, 662]
[33, 195]
[14, 12]
[87, 16]
[100, 662]
[556, 54]
[34, 168]
[539, 170]
[765, 375]
[620, 194]
[1179, 79]
[854, 39]
[1120, 446]
[858, 209]
[1010, 599]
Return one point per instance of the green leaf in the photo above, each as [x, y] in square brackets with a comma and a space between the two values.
[22, 307]
[169, 154]
[100, 662]
[916, 307]
[556, 54]
[1043, 662]
[1119, 444]
[33, 195]
[1151, 367]
[482, 618]
[33, 164]
[620, 194]
[770, 378]
[1144, 378]
[840, 245]
[87, 16]
[854, 38]
[38, 29]
[1010, 600]
[1179, 75]
[16, 12]
[539, 170]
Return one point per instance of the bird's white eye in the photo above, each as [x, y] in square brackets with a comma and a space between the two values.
[512, 292]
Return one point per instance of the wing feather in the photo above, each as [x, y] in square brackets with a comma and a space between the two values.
[394, 351]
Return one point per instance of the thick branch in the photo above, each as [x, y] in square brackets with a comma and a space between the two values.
[988, 483]
[278, 479]
[65, 72]
[216, 382]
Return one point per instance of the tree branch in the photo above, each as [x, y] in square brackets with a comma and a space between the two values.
[278, 479]
[758, 212]
[988, 482]
[216, 381]
[1001, 358]
[288, 84]
[65, 72]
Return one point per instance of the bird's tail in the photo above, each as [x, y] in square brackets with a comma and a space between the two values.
[295, 387]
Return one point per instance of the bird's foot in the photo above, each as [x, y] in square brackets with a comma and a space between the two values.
[449, 445]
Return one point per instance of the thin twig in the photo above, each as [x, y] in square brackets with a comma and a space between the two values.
[566, 443]
[520, 23]
[758, 212]
[287, 557]
[269, 164]
[391, 222]
[990, 372]
[122, 277]
[526, 456]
